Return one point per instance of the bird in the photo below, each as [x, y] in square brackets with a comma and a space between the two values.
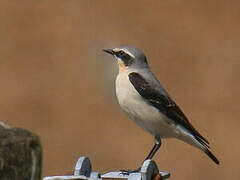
[146, 102]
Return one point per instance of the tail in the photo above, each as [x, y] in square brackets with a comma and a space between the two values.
[211, 156]
[206, 147]
[198, 141]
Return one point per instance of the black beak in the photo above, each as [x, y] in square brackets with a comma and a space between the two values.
[109, 51]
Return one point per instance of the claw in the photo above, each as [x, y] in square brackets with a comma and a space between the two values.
[127, 172]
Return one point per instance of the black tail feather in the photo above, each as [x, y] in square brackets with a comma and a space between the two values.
[211, 156]
[203, 142]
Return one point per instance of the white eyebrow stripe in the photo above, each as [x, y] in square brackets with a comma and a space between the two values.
[126, 51]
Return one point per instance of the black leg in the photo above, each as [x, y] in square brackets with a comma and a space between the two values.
[154, 150]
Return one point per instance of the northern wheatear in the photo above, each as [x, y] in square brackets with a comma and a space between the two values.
[148, 104]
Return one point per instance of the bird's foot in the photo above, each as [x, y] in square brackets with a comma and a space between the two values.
[127, 172]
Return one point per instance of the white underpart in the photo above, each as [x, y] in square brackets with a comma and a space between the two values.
[147, 116]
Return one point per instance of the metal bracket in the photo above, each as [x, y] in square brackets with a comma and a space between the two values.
[83, 170]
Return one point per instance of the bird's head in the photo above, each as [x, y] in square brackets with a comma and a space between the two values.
[128, 57]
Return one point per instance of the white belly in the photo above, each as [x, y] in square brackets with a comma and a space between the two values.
[143, 114]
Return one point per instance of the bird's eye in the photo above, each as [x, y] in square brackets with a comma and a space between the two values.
[124, 57]
[121, 53]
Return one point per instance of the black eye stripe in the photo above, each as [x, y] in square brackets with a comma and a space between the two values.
[121, 54]
[126, 58]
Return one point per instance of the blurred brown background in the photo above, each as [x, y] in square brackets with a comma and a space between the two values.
[56, 81]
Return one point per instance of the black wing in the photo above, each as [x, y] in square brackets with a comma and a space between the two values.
[167, 106]
[164, 103]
